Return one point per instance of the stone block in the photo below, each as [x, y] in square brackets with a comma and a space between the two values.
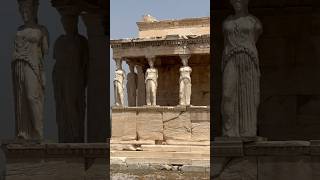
[285, 167]
[199, 116]
[240, 168]
[166, 148]
[177, 125]
[124, 125]
[149, 126]
[200, 131]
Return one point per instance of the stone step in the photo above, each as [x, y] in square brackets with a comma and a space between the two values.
[153, 160]
[168, 155]
[191, 143]
[175, 148]
[116, 141]
[162, 148]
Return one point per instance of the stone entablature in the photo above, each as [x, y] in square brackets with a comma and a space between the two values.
[150, 27]
[169, 45]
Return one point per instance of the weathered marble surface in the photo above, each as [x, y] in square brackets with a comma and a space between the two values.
[149, 126]
[177, 126]
[124, 125]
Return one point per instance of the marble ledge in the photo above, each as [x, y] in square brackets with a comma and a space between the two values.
[265, 148]
[53, 150]
[161, 108]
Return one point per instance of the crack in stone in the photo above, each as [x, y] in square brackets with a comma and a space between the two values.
[174, 117]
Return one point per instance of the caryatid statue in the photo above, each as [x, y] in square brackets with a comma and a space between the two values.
[185, 81]
[30, 46]
[132, 79]
[69, 79]
[241, 74]
[141, 86]
[119, 83]
[151, 80]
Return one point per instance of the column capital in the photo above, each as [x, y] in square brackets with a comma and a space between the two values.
[118, 63]
[150, 56]
[184, 56]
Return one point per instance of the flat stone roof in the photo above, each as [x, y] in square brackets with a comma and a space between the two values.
[174, 23]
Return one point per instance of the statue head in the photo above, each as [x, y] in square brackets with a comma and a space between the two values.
[28, 10]
[131, 66]
[118, 63]
[70, 23]
[240, 6]
[151, 61]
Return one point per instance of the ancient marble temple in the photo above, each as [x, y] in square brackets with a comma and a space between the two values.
[167, 87]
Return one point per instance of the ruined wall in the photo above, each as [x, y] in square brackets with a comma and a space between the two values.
[170, 124]
[289, 62]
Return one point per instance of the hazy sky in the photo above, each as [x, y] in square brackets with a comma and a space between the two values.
[125, 13]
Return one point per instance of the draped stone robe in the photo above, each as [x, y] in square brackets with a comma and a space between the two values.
[241, 76]
[31, 44]
[69, 79]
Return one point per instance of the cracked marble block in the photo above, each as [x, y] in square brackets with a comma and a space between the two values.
[177, 126]
[124, 126]
[200, 128]
[149, 125]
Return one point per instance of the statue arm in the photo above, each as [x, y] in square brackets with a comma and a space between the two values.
[85, 61]
[259, 29]
[45, 41]
[124, 77]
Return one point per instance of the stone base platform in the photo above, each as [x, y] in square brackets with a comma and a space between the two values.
[162, 124]
[179, 161]
[265, 160]
[56, 161]
[171, 140]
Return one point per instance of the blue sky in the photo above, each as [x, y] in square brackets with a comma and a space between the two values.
[125, 13]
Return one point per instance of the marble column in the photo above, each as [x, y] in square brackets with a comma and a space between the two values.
[132, 81]
[185, 81]
[141, 87]
[98, 72]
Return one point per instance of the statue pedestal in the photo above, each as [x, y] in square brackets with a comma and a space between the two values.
[161, 135]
